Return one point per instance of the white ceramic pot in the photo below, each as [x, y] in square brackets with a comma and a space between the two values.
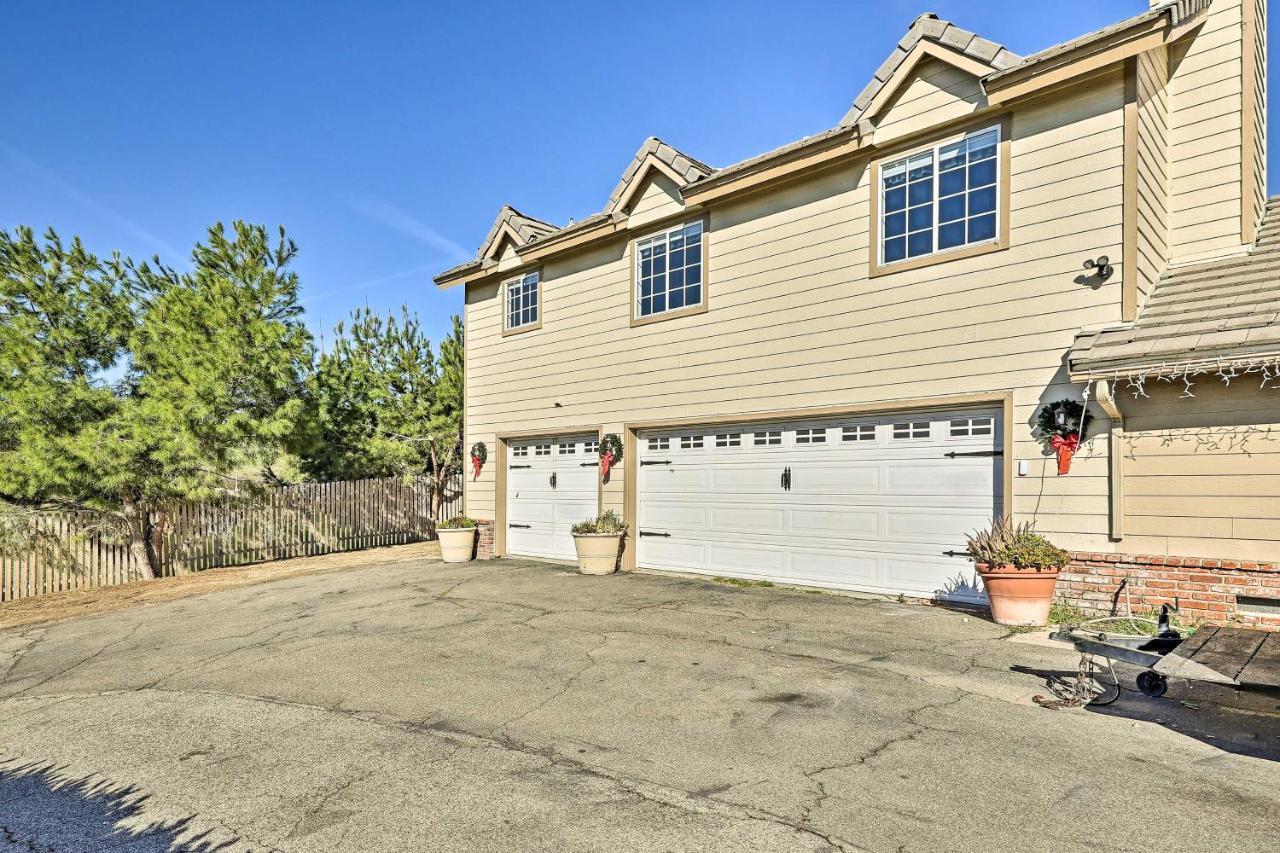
[597, 552]
[457, 544]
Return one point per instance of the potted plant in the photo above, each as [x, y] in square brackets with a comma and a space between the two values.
[457, 539]
[598, 542]
[1019, 568]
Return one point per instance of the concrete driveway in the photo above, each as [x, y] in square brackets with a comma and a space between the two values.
[512, 705]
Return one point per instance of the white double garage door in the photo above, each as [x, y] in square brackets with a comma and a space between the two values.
[878, 504]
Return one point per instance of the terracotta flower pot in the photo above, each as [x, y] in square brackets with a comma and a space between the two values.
[457, 544]
[1019, 596]
[597, 552]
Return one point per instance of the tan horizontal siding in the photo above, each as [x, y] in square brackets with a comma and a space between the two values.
[1205, 137]
[659, 198]
[937, 92]
[1152, 170]
[1202, 470]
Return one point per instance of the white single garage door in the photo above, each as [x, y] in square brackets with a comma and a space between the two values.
[879, 504]
[551, 485]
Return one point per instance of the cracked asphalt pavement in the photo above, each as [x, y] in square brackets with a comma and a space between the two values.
[514, 705]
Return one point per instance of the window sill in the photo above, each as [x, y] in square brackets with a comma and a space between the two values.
[520, 330]
[875, 269]
[688, 311]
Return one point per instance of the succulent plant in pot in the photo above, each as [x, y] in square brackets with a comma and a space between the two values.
[457, 539]
[598, 542]
[1019, 568]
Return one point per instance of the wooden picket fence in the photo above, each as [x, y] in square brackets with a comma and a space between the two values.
[73, 551]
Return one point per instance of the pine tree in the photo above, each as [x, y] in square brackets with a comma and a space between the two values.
[208, 364]
[381, 405]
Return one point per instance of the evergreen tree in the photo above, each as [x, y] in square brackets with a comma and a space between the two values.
[381, 405]
[209, 363]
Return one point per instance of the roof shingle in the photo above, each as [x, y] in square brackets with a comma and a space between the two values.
[1201, 312]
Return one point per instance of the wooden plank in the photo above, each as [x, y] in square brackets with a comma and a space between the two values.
[1264, 668]
[1213, 654]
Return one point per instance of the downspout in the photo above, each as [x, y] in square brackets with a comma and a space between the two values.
[1105, 395]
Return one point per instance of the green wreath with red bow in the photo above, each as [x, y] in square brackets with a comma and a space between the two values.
[610, 452]
[1062, 426]
[479, 455]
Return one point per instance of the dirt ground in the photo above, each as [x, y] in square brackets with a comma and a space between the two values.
[84, 602]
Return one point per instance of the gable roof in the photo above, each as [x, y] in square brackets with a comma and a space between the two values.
[928, 29]
[516, 225]
[1226, 309]
[654, 154]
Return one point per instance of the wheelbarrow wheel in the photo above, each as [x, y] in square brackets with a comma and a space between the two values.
[1152, 683]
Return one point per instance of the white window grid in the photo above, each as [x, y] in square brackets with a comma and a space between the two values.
[858, 432]
[729, 439]
[811, 436]
[542, 450]
[768, 438]
[911, 429]
[669, 270]
[567, 448]
[663, 443]
[522, 301]
[520, 450]
[591, 446]
[964, 427]
[949, 210]
[690, 442]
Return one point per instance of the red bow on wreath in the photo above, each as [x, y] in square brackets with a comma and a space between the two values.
[476, 464]
[606, 461]
[1065, 446]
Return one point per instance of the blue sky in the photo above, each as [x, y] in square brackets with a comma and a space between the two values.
[386, 135]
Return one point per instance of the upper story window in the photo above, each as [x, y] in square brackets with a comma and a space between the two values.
[940, 199]
[522, 301]
[669, 271]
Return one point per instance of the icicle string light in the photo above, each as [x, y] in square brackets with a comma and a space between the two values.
[1227, 370]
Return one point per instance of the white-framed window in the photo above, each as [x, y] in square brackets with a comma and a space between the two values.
[669, 270]
[520, 450]
[729, 439]
[858, 432]
[962, 427]
[811, 436]
[522, 301]
[768, 438]
[660, 444]
[591, 446]
[911, 429]
[567, 448]
[943, 198]
[690, 442]
[542, 450]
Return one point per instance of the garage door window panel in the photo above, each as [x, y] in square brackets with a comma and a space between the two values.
[858, 433]
[769, 438]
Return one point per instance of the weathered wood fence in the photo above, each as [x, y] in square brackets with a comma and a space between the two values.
[70, 551]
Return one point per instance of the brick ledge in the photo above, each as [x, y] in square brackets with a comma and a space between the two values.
[1093, 558]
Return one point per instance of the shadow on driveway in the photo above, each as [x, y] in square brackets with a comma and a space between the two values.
[41, 809]
[1235, 721]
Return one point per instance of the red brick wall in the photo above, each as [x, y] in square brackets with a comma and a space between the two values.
[1204, 590]
[484, 540]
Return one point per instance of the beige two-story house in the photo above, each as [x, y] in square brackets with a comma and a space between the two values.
[826, 363]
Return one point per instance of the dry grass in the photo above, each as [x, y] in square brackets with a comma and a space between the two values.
[84, 602]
